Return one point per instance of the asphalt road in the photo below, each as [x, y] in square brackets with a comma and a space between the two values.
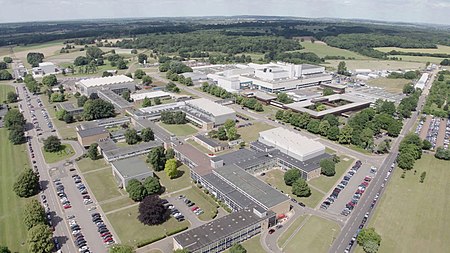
[49, 172]
[364, 205]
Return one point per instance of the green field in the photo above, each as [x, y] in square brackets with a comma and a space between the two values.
[413, 216]
[252, 245]
[116, 204]
[102, 184]
[392, 85]
[321, 49]
[13, 158]
[203, 201]
[440, 49]
[4, 89]
[131, 231]
[291, 229]
[315, 236]
[86, 164]
[276, 179]
[180, 130]
[251, 133]
[326, 183]
[53, 157]
[423, 59]
[376, 64]
[175, 184]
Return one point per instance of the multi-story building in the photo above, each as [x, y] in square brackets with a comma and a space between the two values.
[117, 84]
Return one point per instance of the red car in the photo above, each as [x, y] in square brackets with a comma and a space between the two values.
[367, 179]
[67, 206]
[271, 231]
[194, 208]
[365, 183]
[107, 239]
[105, 234]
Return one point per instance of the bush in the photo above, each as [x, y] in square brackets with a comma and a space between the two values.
[422, 176]
[176, 231]
[149, 241]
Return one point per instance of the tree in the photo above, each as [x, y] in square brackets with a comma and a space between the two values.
[33, 214]
[170, 153]
[410, 75]
[126, 95]
[27, 184]
[49, 80]
[158, 102]
[5, 75]
[328, 91]
[408, 88]
[300, 188]
[147, 80]
[147, 134]
[3, 65]
[131, 136]
[97, 109]
[142, 58]
[237, 248]
[333, 133]
[120, 248]
[291, 176]
[121, 64]
[171, 168]
[405, 160]
[383, 147]
[327, 167]
[367, 235]
[371, 247]
[94, 53]
[313, 126]
[426, 145]
[152, 211]
[279, 115]
[4, 249]
[139, 73]
[222, 133]
[52, 144]
[11, 97]
[68, 118]
[16, 135]
[342, 69]
[136, 190]
[284, 98]
[7, 59]
[422, 176]
[229, 123]
[346, 135]
[93, 151]
[442, 153]
[157, 158]
[13, 118]
[134, 51]
[152, 185]
[40, 239]
[324, 126]
[34, 58]
[232, 134]
[82, 100]
[332, 119]
[106, 74]
[57, 97]
[146, 102]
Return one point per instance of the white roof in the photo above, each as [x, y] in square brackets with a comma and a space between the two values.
[149, 94]
[291, 141]
[100, 81]
[46, 64]
[214, 108]
[421, 83]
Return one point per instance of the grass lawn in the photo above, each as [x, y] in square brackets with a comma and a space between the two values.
[203, 201]
[269, 110]
[53, 157]
[393, 85]
[316, 236]
[423, 59]
[440, 49]
[13, 158]
[199, 147]
[325, 183]
[113, 205]
[251, 133]
[376, 64]
[252, 245]
[276, 179]
[291, 229]
[131, 231]
[413, 216]
[102, 184]
[322, 50]
[176, 184]
[179, 130]
[86, 164]
[4, 89]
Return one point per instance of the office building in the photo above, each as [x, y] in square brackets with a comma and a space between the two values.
[131, 168]
[117, 84]
[87, 136]
[202, 110]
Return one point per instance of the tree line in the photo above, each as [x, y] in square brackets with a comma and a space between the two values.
[251, 103]
[438, 100]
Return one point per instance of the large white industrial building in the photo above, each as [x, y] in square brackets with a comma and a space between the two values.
[422, 81]
[203, 108]
[291, 143]
[117, 84]
[271, 77]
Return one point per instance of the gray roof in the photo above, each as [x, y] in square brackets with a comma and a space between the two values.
[129, 151]
[211, 107]
[131, 167]
[216, 230]
[307, 166]
[70, 107]
[256, 189]
[310, 66]
[92, 131]
[106, 145]
[208, 141]
[118, 101]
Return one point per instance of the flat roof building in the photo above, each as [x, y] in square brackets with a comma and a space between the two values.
[208, 109]
[87, 136]
[151, 95]
[130, 151]
[70, 108]
[422, 81]
[291, 143]
[117, 84]
[118, 101]
[222, 233]
[130, 168]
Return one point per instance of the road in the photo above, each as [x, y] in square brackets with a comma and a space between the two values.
[354, 221]
[49, 172]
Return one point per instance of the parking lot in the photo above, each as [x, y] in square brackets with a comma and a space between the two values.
[436, 130]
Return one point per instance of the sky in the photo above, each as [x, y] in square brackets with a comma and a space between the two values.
[417, 11]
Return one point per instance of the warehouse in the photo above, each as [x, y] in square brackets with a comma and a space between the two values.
[220, 234]
[131, 168]
[422, 81]
[151, 95]
[291, 143]
[117, 84]
[202, 110]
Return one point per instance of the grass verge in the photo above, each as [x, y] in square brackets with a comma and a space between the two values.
[4, 89]
[291, 229]
[53, 157]
[325, 183]
[179, 130]
[86, 164]
[251, 133]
